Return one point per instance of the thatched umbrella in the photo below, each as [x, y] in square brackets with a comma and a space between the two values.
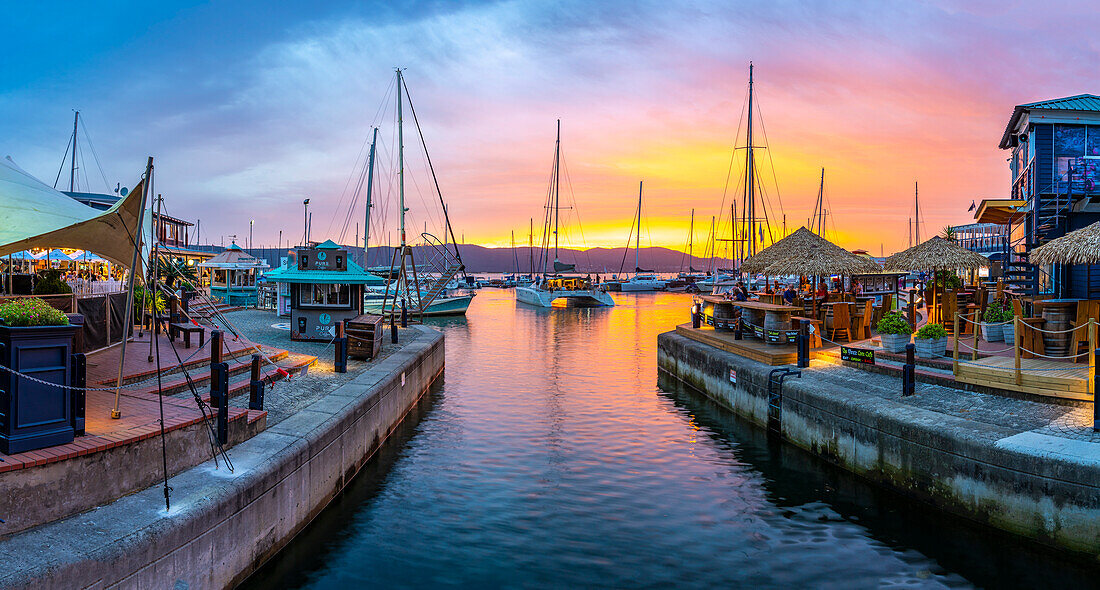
[1080, 246]
[936, 254]
[806, 253]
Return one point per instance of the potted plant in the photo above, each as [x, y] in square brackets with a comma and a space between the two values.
[931, 341]
[37, 341]
[996, 313]
[894, 332]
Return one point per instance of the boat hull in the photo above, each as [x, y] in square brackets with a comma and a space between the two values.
[631, 286]
[544, 298]
[441, 306]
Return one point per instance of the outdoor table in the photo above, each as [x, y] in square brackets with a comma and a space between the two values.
[1059, 315]
[759, 315]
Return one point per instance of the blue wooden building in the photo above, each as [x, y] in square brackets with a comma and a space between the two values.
[1055, 172]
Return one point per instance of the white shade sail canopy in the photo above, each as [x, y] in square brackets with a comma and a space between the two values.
[37, 216]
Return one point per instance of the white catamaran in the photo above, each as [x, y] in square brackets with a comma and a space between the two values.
[551, 287]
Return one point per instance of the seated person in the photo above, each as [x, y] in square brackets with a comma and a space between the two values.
[857, 288]
[789, 295]
[740, 293]
[823, 292]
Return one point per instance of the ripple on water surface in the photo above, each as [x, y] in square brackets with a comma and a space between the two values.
[548, 456]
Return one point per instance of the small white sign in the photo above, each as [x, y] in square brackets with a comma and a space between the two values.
[811, 329]
[402, 379]
[733, 376]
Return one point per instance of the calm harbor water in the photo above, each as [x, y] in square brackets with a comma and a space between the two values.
[552, 456]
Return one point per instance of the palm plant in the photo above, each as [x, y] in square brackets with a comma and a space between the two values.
[948, 233]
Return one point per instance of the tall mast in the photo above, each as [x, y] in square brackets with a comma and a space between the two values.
[738, 248]
[749, 188]
[638, 235]
[691, 235]
[820, 205]
[733, 229]
[531, 247]
[400, 159]
[916, 216]
[712, 245]
[557, 187]
[72, 170]
[370, 186]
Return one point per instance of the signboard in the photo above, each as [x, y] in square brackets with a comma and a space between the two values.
[323, 259]
[733, 376]
[857, 355]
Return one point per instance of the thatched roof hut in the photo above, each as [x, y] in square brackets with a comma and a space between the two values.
[1077, 247]
[806, 253]
[936, 254]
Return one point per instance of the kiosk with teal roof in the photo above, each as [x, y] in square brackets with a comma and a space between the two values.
[324, 286]
[233, 276]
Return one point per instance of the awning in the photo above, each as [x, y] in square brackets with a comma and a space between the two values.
[999, 211]
[49, 219]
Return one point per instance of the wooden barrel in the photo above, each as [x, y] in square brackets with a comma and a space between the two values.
[724, 318]
[1058, 317]
[776, 326]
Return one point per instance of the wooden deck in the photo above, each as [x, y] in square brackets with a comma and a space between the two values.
[1037, 376]
[749, 347]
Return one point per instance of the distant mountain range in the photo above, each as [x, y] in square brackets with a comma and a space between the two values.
[603, 260]
[481, 259]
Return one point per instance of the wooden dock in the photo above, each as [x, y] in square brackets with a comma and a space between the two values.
[1037, 376]
[749, 347]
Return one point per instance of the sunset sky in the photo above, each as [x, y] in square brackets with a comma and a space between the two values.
[249, 107]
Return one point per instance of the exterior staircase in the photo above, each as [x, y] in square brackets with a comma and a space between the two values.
[1052, 213]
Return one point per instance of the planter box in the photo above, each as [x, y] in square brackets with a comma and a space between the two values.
[993, 332]
[1009, 332]
[35, 415]
[931, 348]
[894, 342]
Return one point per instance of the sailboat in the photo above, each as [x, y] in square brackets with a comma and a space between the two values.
[420, 287]
[643, 280]
[551, 287]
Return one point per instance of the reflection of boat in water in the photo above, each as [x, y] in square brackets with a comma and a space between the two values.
[551, 288]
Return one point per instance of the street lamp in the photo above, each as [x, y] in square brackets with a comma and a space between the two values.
[305, 222]
[250, 223]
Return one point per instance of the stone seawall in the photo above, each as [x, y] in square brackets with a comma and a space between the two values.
[1023, 480]
[223, 525]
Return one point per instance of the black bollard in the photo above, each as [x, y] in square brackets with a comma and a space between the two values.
[738, 330]
[340, 362]
[1095, 406]
[256, 385]
[393, 330]
[78, 396]
[695, 316]
[219, 386]
[802, 342]
[908, 372]
[404, 315]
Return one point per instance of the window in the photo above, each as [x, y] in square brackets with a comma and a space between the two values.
[325, 295]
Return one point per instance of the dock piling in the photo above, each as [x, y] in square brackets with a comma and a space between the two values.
[909, 371]
[256, 385]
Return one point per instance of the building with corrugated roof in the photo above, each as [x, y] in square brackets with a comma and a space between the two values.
[1055, 188]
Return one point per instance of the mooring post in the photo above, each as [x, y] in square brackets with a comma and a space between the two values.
[1095, 406]
[78, 396]
[802, 342]
[221, 376]
[215, 360]
[393, 329]
[695, 316]
[404, 315]
[909, 371]
[340, 363]
[738, 334]
[256, 385]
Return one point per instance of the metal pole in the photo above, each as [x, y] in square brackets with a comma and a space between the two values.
[400, 161]
[129, 317]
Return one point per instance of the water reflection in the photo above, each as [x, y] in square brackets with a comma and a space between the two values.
[550, 458]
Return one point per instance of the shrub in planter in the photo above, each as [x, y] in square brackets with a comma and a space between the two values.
[996, 313]
[894, 331]
[37, 341]
[50, 283]
[931, 341]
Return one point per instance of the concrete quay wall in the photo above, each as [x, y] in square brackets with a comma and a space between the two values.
[223, 526]
[1029, 483]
